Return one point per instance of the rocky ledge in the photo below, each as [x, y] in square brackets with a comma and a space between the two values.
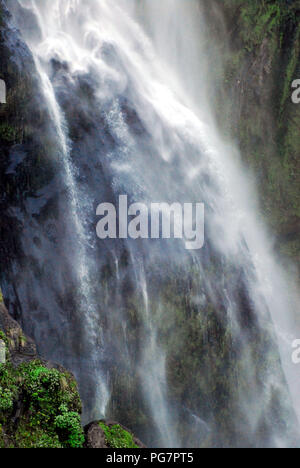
[39, 402]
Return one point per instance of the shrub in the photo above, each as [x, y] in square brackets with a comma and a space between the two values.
[6, 399]
[50, 416]
[69, 426]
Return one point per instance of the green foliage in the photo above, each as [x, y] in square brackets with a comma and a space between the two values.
[51, 406]
[258, 19]
[69, 426]
[33, 436]
[116, 437]
[8, 392]
[41, 385]
[48, 388]
[6, 399]
[7, 133]
[259, 67]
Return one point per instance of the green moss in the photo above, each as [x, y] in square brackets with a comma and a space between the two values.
[259, 67]
[8, 392]
[51, 407]
[6, 399]
[7, 133]
[117, 437]
[69, 427]
[29, 436]
[3, 337]
[258, 20]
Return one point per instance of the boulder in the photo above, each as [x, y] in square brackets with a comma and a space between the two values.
[95, 436]
[21, 348]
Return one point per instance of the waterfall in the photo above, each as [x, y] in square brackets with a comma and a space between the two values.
[188, 348]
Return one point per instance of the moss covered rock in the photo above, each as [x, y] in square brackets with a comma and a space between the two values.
[109, 434]
[260, 44]
[39, 407]
[39, 402]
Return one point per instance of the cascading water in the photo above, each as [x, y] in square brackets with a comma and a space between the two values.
[87, 302]
[181, 346]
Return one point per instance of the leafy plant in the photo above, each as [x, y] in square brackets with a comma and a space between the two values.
[6, 399]
[50, 406]
[7, 133]
[70, 429]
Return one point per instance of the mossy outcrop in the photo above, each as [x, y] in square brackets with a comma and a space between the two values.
[39, 402]
[110, 434]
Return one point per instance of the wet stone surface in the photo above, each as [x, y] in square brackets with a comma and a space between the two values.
[2, 352]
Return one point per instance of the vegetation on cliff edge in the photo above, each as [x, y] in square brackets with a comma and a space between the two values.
[261, 54]
[39, 407]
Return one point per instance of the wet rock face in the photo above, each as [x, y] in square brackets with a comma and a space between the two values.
[27, 165]
[34, 217]
[260, 45]
[95, 437]
[21, 348]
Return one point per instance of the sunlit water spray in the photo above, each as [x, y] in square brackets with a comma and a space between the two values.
[87, 301]
[180, 41]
